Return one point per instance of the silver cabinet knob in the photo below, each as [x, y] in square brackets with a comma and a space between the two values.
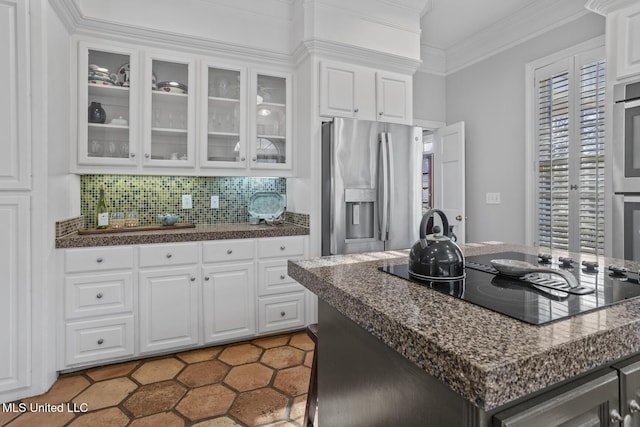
[100, 341]
[147, 155]
[282, 277]
[99, 260]
[132, 155]
[615, 417]
[193, 279]
[355, 110]
[282, 248]
[254, 159]
[380, 113]
[99, 295]
[207, 278]
[282, 314]
[634, 406]
[242, 159]
[169, 255]
[229, 251]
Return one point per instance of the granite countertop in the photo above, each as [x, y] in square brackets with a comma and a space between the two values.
[200, 232]
[488, 358]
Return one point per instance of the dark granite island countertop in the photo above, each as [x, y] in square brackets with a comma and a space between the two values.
[199, 233]
[485, 357]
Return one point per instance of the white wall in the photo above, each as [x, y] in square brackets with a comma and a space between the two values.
[489, 97]
[429, 97]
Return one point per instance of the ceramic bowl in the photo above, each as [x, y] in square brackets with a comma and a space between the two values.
[174, 87]
[168, 219]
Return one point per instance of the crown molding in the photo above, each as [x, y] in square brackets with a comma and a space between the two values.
[357, 55]
[434, 60]
[419, 6]
[531, 21]
[604, 7]
[68, 12]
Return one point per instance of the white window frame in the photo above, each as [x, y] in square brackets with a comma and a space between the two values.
[531, 204]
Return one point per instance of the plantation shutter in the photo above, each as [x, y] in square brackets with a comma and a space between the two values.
[570, 153]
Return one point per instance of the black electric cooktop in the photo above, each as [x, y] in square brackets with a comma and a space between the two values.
[538, 298]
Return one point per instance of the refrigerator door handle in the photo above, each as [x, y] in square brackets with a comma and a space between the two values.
[383, 190]
[390, 184]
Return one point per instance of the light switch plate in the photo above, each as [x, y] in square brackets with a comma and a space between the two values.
[493, 198]
[215, 202]
[187, 202]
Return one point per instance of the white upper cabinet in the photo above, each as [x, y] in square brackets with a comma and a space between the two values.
[363, 93]
[270, 116]
[14, 102]
[169, 114]
[393, 97]
[223, 118]
[626, 34]
[107, 105]
[347, 91]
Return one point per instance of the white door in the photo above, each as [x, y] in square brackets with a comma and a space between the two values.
[229, 302]
[448, 179]
[168, 308]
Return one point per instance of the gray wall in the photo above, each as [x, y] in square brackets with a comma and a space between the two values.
[489, 97]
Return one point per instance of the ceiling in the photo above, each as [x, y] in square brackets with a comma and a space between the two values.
[449, 22]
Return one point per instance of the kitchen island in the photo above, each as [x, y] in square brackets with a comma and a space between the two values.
[398, 348]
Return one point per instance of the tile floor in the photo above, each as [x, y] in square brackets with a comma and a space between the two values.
[262, 382]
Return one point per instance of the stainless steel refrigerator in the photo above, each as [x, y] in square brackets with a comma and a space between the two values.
[371, 178]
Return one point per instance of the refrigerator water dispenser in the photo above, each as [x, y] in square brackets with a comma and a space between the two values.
[360, 205]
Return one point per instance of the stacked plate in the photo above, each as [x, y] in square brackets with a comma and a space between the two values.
[100, 75]
[174, 87]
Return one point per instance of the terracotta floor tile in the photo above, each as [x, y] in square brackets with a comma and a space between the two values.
[282, 357]
[158, 370]
[62, 390]
[249, 377]
[203, 373]
[200, 355]
[270, 342]
[209, 401]
[105, 393]
[112, 417]
[302, 341]
[112, 371]
[298, 408]
[260, 406]
[165, 419]
[240, 354]
[42, 419]
[293, 381]
[218, 422]
[154, 398]
[308, 359]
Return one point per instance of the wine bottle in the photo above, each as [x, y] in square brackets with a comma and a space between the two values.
[102, 211]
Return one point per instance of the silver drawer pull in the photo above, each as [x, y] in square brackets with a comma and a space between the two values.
[282, 248]
[99, 260]
[207, 278]
[282, 314]
[169, 255]
[193, 279]
[100, 341]
[282, 277]
[229, 251]
[99, 295]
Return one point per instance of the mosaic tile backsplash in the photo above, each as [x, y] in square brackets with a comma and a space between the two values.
[151, 195]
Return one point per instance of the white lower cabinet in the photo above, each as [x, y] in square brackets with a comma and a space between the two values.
[228, 302]
[126, 301]
[168, 308]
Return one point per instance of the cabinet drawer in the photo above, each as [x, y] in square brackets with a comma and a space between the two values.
[166, 255]
[96, 340]
[228, 250]
[273, 278]
[98, 259]
[281, 247]
[98, 294]
[281, 312]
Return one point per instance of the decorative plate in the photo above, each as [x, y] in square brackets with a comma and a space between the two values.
[124, 77]
[267, 204]
[175, 87]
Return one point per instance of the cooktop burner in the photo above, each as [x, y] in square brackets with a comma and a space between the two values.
[536, 299]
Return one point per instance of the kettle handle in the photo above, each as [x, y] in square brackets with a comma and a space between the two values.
[425, 220]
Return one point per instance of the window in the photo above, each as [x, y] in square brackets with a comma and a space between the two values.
[569, 153]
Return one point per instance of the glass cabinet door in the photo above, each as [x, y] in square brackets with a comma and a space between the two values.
[106, 105]
[169, 112]
[272, 125]
[224, 117]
